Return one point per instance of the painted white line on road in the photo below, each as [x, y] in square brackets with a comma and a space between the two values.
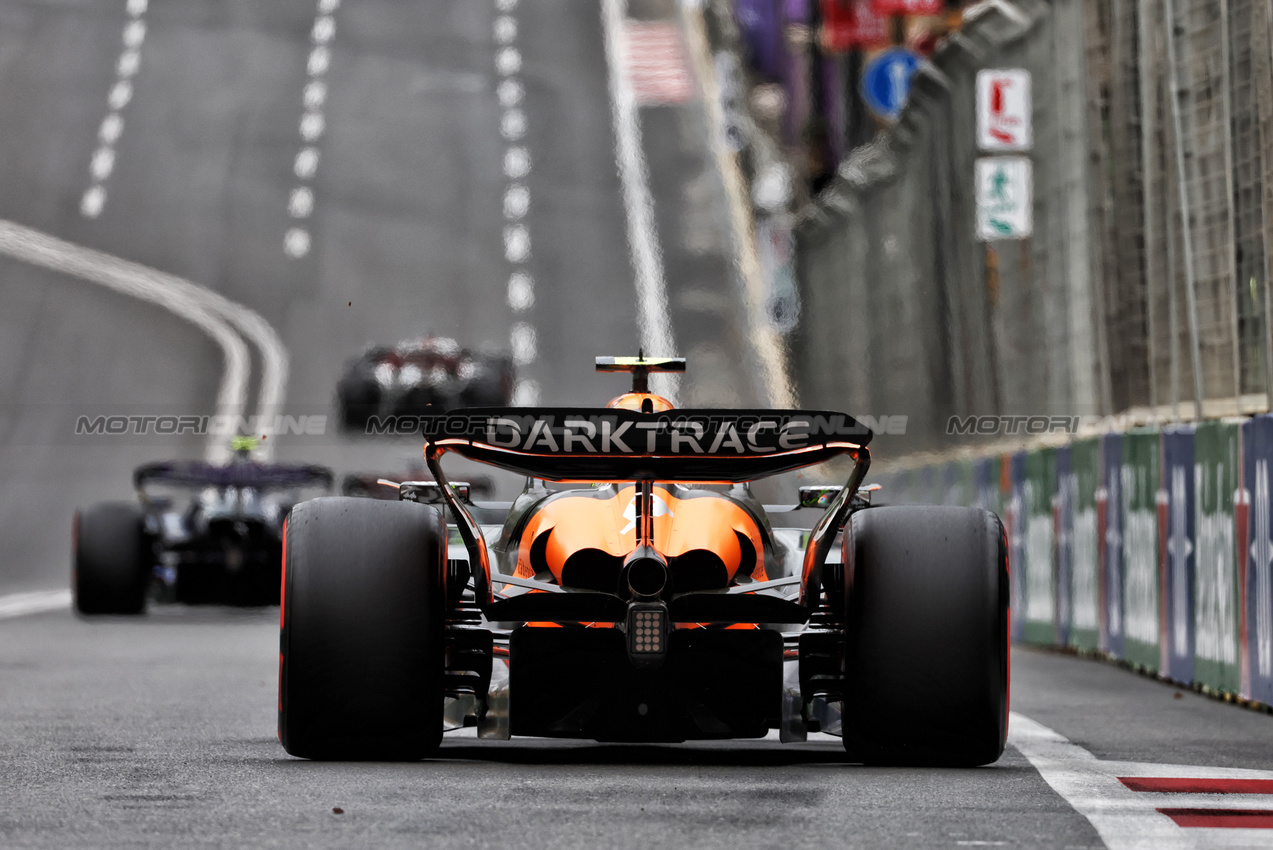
[508, 61]
[516, 243]
[102, 162]
[505, 29]
[219, 317]
[524, 342]
[522, 336]
[521, 291]
[1127, 819]
[510, 93]
[768, 347]
[516, 202]
[512, 125]
[297, 241]
[654, 319]
[516, 163]
[36, 602]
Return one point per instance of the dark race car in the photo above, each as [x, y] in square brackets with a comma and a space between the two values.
[422, 376]
[199, 533]
[637, 591]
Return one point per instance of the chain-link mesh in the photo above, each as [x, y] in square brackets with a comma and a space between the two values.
[1145, 282]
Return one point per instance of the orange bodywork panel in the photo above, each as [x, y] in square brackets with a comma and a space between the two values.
[708, 521]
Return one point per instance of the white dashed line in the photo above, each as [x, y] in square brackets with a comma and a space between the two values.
[508, 61]
[297, 242]
[516, 243]
[526, 393]
[512, 125]
[522, 337]
[525, 343]
[516, 163]
[102, 162]
[521, 292]
[510, 93]
[505, 29]
[516, 201]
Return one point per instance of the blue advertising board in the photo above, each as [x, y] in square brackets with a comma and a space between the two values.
[886, 81]
[1257, 458]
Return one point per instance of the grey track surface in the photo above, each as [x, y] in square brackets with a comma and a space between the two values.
[407, 224]
[159, 732]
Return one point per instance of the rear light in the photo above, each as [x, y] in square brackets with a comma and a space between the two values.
[647, 629]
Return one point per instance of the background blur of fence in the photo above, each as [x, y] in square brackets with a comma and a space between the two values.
[1145, 283]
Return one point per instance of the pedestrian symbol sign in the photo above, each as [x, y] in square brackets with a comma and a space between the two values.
[1004, 198]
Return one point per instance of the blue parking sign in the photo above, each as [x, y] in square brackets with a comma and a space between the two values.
[886, 81]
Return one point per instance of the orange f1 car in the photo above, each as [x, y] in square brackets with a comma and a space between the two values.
[636, 591]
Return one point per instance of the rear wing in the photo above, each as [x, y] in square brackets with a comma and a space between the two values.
[608, 444]
[261, 476]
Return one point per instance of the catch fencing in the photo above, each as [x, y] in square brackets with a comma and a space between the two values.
[1152, 546]
[1145, 283]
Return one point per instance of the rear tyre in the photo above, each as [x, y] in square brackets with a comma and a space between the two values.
[113, 559]
[926, 636]
[362, 630]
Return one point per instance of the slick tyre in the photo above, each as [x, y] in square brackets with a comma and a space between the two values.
[112, 559]
[362, 630]
[926, 636]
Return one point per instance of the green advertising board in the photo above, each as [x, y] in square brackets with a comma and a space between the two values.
[1085, 478]
[1216, 647]
[960, 488]
[1140, 484]
[1039, 573]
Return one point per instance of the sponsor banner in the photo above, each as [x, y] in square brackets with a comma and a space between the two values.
[852, 24]
[1257, 627]
[1081, 483]
[1176, 553]
[1139, 484]
[1217, 545]
[1039, 624]
[1063, 539]
[1109, 513]
[1015, 522]
[960, 489]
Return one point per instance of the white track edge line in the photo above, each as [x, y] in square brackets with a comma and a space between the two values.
[210, 311]
[655, 323]
[35, 602]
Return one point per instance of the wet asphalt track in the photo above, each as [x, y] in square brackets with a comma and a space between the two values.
[159, 732]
